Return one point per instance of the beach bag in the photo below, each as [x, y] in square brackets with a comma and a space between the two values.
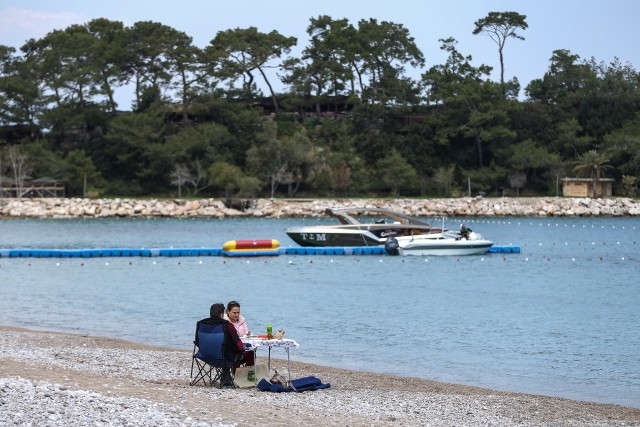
[280, 380]
[299, 385]
[308, 383]
[243, 377]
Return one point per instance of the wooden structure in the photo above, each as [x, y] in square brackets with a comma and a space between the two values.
[41, 187]
[5, 186]
[584, 187]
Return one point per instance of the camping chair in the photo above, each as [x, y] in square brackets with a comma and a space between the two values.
[208, 356]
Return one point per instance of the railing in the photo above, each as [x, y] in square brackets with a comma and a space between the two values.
[33, 190]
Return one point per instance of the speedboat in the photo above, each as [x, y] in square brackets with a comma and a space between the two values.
[446, 242]
[373, 229]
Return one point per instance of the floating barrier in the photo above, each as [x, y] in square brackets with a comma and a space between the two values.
[264, 247]
[180, 252]
[233, 245]
[504, 249]
[264, 250]
[327, 250]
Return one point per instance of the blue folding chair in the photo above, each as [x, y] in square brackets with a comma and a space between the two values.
[208, 356]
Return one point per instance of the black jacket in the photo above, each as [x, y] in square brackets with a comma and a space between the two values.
[233, 345]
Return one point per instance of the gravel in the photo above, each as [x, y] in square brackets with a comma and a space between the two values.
[54, 379]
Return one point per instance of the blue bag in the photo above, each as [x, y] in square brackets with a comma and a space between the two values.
[299, 385]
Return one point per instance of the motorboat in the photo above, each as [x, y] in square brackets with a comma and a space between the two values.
[445, 242]
[360, 227]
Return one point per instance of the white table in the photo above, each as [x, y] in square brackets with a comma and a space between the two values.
[256, 341]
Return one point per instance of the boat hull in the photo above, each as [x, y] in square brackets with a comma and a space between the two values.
[327, 236]
[444, 247]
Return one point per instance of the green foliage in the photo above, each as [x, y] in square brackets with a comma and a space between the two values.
[281, 159]
[384, 50]
[473, 117]
[123, 188]
[485, 179]
[593, 164]
[225, 176]
[324, 65]
[629, 185]
[396, 173]
[236, 54]
[443, 180]
[350, 123]
[232, 180]
[21, 98]
[527, 156]
[623, 145]
[500, 26]
[80, 173]
[571, 138]
[43, 162]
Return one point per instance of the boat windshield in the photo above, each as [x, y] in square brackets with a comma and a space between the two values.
[350, 216]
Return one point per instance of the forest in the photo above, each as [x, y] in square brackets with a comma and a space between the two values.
[350, 122]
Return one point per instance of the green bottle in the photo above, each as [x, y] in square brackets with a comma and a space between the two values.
[269, 331]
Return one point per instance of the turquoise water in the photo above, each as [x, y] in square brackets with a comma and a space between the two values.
[561, 318]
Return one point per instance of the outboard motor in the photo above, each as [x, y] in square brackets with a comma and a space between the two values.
[391, 246]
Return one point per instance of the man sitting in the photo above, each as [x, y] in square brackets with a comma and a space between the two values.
[233, 346]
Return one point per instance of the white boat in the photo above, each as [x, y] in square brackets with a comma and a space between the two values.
[447, 242]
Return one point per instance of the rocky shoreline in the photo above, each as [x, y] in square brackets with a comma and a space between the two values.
[282, 208]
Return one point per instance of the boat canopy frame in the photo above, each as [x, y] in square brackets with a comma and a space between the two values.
[346, 215]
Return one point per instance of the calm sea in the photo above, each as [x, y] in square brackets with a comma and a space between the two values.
[562, 318]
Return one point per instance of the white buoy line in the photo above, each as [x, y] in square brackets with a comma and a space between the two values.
[538, 223]
[320, 260]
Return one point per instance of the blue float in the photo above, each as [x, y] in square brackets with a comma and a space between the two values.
[504, 249]
[197, 252]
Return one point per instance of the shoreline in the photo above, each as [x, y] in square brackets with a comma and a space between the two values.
[299, 208]
[71, 379]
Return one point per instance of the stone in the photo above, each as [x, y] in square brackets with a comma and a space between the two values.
[294, 208]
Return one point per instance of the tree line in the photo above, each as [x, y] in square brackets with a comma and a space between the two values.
[350, 121]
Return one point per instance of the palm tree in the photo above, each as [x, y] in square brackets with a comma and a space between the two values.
[593, 163]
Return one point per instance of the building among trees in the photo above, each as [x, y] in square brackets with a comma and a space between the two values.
[584, 187]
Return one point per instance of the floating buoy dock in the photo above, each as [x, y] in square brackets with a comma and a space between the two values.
[233, 248]
[263, 247]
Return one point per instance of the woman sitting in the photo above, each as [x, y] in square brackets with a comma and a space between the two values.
[240, 324]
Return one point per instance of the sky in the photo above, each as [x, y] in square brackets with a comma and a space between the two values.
[600, 29]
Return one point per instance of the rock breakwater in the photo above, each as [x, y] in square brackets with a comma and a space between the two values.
[282, 208]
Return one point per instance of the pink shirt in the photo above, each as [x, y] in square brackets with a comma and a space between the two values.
[241, 325]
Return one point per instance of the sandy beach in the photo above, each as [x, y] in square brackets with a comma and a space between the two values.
[56, 379]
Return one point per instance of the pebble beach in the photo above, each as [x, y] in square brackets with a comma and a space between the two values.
[58, 379]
